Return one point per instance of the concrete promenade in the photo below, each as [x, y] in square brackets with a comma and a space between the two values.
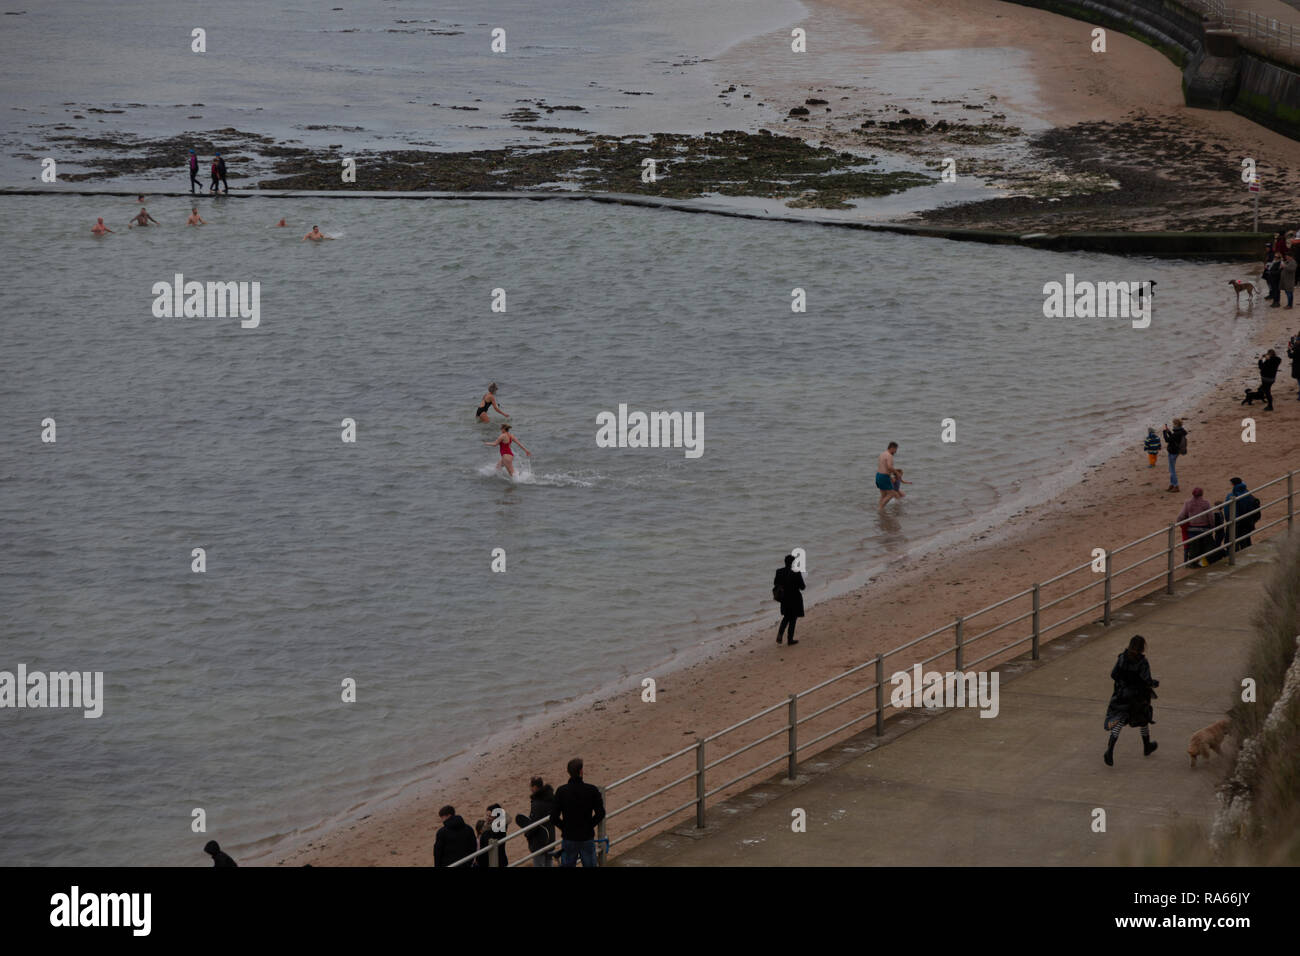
[952, 788]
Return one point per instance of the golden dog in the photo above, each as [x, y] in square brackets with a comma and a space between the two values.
[1207, 739]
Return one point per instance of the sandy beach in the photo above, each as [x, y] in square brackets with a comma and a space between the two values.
[1123, 499]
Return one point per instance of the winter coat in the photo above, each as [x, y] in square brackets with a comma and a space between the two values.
[1174, 440]
[455, 841]
[1288, 275]
[542, 805]
[484, 841]
[1152, 444]
[578, 808]
[791, 583]
[1134, 691]
[1268, 368]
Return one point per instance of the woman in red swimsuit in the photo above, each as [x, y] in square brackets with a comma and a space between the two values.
[504, 441]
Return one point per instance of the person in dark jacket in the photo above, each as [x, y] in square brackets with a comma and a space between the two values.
[541, 806]
[218, 857]
[785, 588]
[1175, 443]
[1131, 701]
[579, 808]
[1272, 274]
[1293, 353]
[1244, 503]
[491, 830]
[455, 839]
[1268, 366]
[220, 168]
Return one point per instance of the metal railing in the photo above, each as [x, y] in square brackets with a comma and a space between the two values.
[1268, 32]
[953, 641]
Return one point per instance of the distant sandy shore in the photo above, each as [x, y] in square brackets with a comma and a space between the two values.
[1111, 505]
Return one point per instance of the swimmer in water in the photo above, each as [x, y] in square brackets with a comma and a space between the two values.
[99, 228]
[504, 441]
[281, 223]
[195, 219]
[142, 218]
[140, 199]
[489, 401]
[315, 235]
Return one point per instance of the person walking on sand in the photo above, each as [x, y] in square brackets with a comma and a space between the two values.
[195, 186]
[886, 474]
[1175, 446]
[579, 808]
[786, 586]
[315, 235]
[503, 442]
[1287, 278]
[195, 219]
[1151, 445]
[1130, 703]
[455, 839]
[1197, 517]
[219, 857]
[99, 229]
[1268, 367]
[489, 401]
[142, 218]
[541, 806]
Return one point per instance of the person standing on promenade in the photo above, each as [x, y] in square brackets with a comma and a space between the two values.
[785, 588]
[541, 805]
[886, 474]
[1268, 367]
[1288, 278]
[1130, 703]
[195, 186]
[487, 834]
[455, 839]
[1293, 353]
[579, 808]
[1245, 503]
[1151, 445]
[219, 858]
[1175, 445]
[1199, 515]
[1272, 274]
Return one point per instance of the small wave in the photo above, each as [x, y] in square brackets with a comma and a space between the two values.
[524, 475]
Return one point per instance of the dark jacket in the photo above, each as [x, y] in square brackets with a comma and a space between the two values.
[578, 808]
[1174, 440]
[1268, 368]
[1293, 351]
[455, 841]
[1134, 691]
[542, 805]
[791, 583]
[1245, 504]
[484, 840]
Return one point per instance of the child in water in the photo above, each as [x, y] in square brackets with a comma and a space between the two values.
[1151, 446]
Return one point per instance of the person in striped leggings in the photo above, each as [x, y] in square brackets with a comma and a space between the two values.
[1130, 704]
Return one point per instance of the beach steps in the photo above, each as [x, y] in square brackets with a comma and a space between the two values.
[951, 788]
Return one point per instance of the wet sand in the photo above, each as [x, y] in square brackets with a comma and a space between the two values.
[1119, 501]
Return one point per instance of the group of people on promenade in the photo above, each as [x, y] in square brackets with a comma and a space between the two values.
[575, 809]
[1208, 527]
[505, 439]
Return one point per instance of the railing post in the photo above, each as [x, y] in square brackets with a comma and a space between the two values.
[1232, 531]
[1037, 614]
[1290, 500]
[1169, 581]
[492, 851]
[792, 770]
[602, 834]
[699, 783]
[1105, 614]
[880, 695]
[958, 647]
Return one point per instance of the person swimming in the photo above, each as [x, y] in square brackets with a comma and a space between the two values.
[489, 401]
[281, 223]
[316, 235]
[195, 219]
[99, 228]
[503, 443]
[142, 218]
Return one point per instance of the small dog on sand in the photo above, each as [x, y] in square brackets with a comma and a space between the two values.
[1207, 739]
[1253, 395]
[1241, 285]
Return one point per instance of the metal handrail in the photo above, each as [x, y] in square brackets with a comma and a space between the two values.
[1040, 628]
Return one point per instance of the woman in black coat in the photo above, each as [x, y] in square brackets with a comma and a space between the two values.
[541, 805]
[1131, 701]
[785, 588]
